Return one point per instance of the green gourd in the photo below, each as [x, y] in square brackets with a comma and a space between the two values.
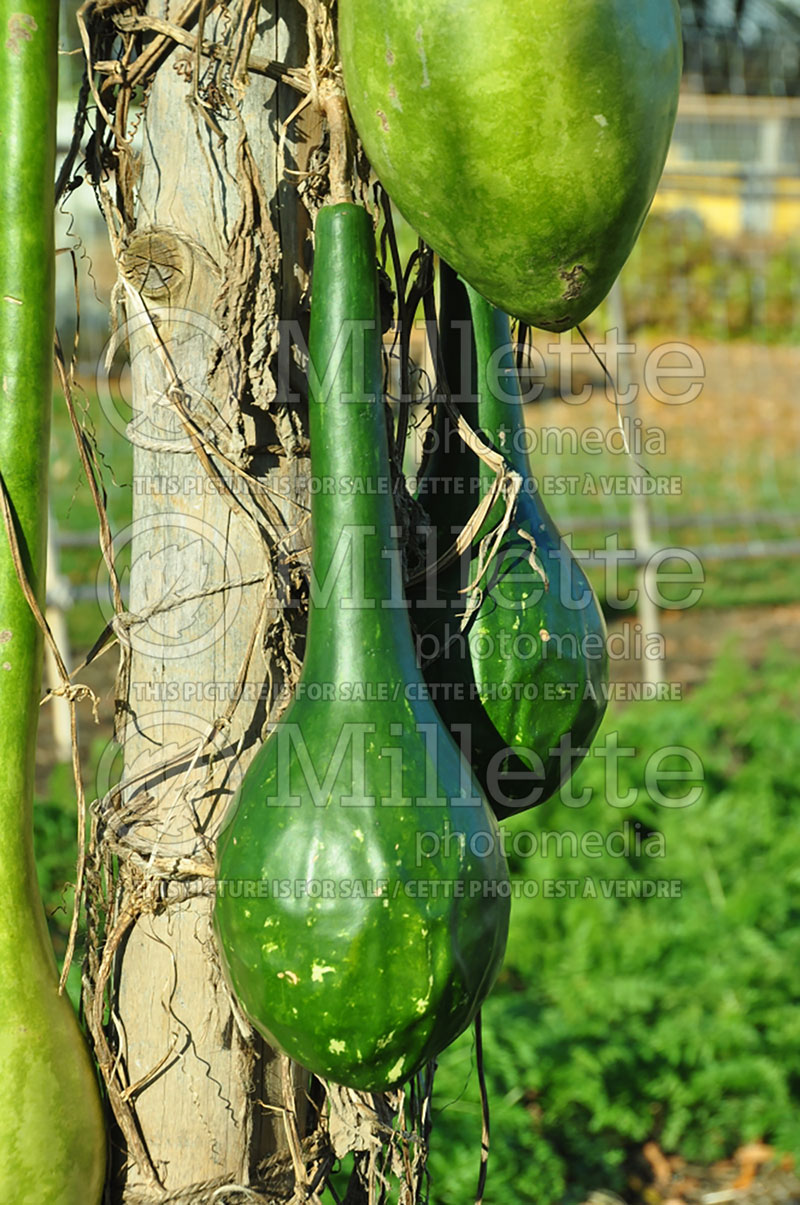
[522, 682]
[362, 900]
[52, 1140]
[523, 140]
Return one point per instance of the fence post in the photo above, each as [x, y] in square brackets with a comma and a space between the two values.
[641, 527]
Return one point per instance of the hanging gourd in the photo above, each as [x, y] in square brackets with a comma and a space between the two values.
[523, 139]
[52, 1140]
[362, 891]
[513, 639]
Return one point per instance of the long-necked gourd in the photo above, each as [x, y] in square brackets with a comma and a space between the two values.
[52, 1141]
[521, 678]
[523, 139]
[362, 890]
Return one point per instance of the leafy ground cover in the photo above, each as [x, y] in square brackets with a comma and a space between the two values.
[623, 1017]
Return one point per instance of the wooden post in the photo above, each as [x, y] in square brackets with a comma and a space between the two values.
[201, 283]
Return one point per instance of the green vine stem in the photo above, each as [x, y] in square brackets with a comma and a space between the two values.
[52, 1143]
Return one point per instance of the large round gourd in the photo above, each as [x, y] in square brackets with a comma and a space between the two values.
[523, 139]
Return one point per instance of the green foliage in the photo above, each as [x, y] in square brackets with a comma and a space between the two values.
[73, 511]
[622, 1019]
[681, 277]
[55, 842]
[54, 828]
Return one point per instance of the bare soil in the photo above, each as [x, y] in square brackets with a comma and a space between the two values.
[695, 638]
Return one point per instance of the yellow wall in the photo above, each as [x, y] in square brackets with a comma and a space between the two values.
[719, 191]
[721, 214]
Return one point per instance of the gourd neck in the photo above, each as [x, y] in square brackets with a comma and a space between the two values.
[356, 567]
[357, 607]
[499, 407]
[499, 413]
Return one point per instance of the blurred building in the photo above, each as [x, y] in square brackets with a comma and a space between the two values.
[735, 155]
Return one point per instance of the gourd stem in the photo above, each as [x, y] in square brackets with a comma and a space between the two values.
[28, 73]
